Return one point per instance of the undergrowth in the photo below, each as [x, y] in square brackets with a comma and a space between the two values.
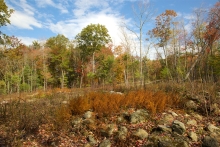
[106, 103]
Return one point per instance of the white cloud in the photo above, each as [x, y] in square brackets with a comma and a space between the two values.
[24, 21]
[23, 16]
[71, 28]
[58, 5]
[26, 40]
[84, 6]
[189, 16]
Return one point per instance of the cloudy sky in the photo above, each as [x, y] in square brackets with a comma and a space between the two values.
[41, 19]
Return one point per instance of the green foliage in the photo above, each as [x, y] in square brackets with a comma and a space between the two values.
[92, 38]
[165, 73]
[2, 87]
[58, 58]
[5, 13]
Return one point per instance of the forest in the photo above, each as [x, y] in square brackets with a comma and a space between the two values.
[92, 60]
[90, 92]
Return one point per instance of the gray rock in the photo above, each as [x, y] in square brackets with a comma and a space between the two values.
[182, 144]
[193, 136]
[87, 145]
[91, 140]
[212, 128]
[216, 135]
[165, 143]
[215, 109]
[209, 142]
[111, 128]
[88, 122]
[191, 105]
[173, 113]
[88, 115]
[141, 133]
[192, 122]
[168, 118]
[122, 133]
[178, 127]
[164, 128]
[139, 116]
[105, 143]
[199, 117]
[76, 121]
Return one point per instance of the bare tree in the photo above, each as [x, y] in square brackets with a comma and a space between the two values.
[143, 13]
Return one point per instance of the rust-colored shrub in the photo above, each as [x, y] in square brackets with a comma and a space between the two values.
[107, 103]
[79, 105]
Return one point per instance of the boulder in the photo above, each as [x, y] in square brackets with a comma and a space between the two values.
[141, 134]
[212, 128]
[91, 140]
[88, 115]
[122, 133]
[178, 127]
[192, 122]
[168, 119]
[105, 143]
[193, 136]
[191, 105]
[209, 142]
[164, 128]
[139, 116]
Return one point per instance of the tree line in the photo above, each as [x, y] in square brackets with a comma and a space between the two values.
[91, 60]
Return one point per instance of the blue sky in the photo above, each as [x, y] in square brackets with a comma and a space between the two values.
[41, 19]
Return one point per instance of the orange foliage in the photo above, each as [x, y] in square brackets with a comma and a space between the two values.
[107, 103]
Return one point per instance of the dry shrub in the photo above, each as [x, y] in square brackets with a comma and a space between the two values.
[106, 103]
[63, 115]
[79, 105]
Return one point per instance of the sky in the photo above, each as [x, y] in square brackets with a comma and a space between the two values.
[42, 19]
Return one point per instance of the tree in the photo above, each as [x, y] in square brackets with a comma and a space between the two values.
[5, 14]
[58, 59]
[91, 39]
[162, 31]
[142, 14]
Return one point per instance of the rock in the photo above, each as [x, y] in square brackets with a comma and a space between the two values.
[178, 127]
[182, 144]
[122, 133]
[88, 115]
[165, 143]
[76, 121]
[216, 135]
[173, 113]
[87, 145]
[191, 105]
[215, 109]
[193, 136]
[88, 122]
[168, 119]
[139, 116]
[212, 128]
[192, 122]
[141, 133]
[209, 142]
[164, 128]
[105, 143]
[91, 140]
[109, 130]
[199, 117]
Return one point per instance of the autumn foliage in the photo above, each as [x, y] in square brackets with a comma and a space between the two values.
[104, 103]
